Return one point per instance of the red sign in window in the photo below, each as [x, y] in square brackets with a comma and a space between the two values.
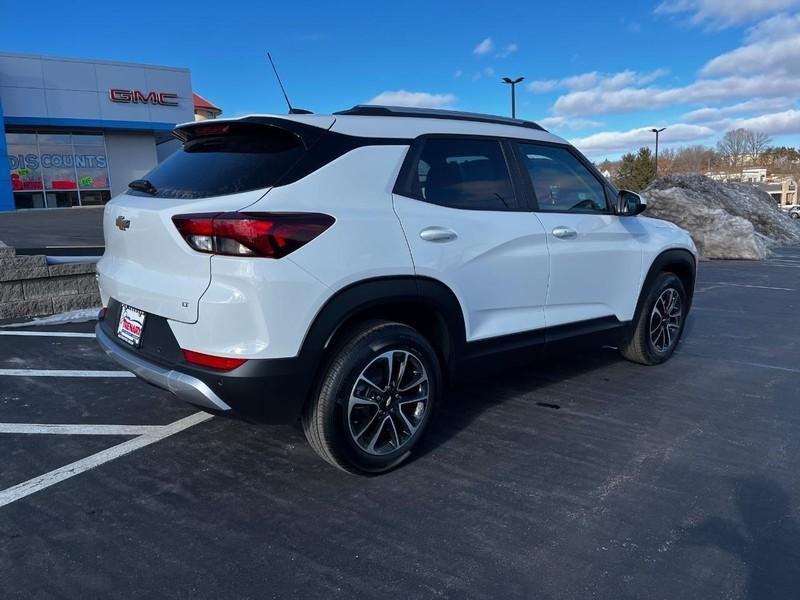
[63, 184]
[19, 185]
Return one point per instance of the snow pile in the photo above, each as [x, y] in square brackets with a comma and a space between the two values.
[725, 220]
[74, 316]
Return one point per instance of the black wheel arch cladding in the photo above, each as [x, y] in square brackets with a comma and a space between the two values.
[678, 261]
[387, 298]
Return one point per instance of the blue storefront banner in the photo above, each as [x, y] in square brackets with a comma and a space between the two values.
[6, 197]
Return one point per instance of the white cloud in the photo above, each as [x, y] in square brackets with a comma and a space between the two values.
[485, 72]
[543, 86]
[417, 99]
[708, 115]
[568, 123]
[786, 122]
[608, 142]
[600, 101]
[484, 47]
[755, 86]
[595, 79]
[723, 13]
[778, 27]
[765, 67]
[580, 82]
[773, 46]
[507, 51]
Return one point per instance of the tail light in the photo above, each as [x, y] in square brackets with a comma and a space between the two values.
[223, 363]
[269, 235]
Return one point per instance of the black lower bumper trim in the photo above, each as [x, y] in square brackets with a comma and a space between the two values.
[264, 390]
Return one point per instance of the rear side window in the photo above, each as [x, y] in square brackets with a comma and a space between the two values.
[561, 182]
[463, 173]
[235, 158]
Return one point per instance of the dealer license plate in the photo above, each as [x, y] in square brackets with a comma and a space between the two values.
[131, 325]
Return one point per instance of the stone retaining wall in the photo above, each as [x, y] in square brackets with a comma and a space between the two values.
[29, 287]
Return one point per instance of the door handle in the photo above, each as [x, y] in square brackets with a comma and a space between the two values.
[565, 233]
[438, 234]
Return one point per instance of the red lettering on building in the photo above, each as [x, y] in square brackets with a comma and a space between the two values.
[138, 97]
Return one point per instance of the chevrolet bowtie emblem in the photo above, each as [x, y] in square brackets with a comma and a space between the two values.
[122, 223]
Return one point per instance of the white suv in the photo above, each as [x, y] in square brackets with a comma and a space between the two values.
[344, 269]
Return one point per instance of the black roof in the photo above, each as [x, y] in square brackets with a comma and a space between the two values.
[435, 113]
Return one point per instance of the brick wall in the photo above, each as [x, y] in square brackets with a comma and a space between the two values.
[30, 287]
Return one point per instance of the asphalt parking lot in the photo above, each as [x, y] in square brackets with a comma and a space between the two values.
[582, 477]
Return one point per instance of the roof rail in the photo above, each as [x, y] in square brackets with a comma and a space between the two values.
[371, 110]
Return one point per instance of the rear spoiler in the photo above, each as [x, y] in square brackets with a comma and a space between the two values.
[306, 134]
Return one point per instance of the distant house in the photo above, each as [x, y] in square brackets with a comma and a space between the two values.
[783, 189]
[754, 175]
[719, 176]
[203, 109]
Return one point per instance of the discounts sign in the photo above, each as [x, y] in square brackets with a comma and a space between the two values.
[32, 162]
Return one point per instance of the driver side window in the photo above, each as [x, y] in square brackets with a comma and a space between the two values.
[561, 182]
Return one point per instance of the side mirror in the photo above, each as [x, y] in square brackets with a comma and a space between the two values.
[630, 204]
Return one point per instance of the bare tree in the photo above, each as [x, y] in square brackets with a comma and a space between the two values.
[757, 144]
[695, 159]
[782, 159]
[734, 145]
[666, 161]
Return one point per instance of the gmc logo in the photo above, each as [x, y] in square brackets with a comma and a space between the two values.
[137, 97]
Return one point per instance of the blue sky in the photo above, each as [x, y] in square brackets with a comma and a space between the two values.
[598, 73]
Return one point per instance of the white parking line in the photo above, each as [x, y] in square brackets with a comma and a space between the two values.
[55, 476]
[59, 429]
[62, 373]
[714, 284]
[69, 334]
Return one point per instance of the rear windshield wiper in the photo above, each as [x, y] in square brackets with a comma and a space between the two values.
[143, 185]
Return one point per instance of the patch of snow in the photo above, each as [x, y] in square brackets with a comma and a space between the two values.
[74, 316]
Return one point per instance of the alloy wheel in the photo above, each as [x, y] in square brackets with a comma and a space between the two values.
[665, 320]
[388, 402]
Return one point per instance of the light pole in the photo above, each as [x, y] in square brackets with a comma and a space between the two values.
[513, 83]
[657, 131]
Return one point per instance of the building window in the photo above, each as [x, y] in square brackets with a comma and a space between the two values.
[54, 170]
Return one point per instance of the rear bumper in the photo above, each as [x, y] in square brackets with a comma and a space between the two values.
[185, 387]
[261, 390]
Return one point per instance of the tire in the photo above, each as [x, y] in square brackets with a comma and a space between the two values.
[362, 422]
[639, 345]
[795, 215]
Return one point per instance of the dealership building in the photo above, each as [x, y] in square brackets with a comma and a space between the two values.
[74, 132]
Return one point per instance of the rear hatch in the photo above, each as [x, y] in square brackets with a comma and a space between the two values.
[221, 167]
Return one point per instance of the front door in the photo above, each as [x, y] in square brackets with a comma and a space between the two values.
[595, 255]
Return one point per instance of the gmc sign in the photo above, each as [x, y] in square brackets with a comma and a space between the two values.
[137, 97]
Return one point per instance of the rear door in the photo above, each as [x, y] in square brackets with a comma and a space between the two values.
[595, 255]
[222, 166]
[468, 226]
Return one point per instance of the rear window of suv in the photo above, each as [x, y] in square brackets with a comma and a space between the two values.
[228, 159]
[462, 173]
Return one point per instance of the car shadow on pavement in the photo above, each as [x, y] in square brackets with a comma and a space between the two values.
[766, 538]
[466, 402]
